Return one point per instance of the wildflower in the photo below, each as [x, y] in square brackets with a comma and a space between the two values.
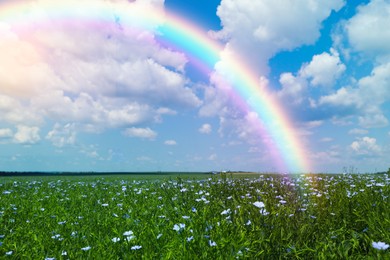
[194, 210]
[189, 239]
[248, 223]
[116, 239]
[225, 212]
[212, 243]
[159, 235]
[136, 247]
[57, 236]
[64, 253]
[186, 217]
[380, 245]
[264, 212]
[179, 227]
[50, 258]
[128, 233]
[9, 253]
[86, 248]
[259, 204]
[105, 204]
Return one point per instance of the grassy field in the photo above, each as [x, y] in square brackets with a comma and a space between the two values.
[190, 217]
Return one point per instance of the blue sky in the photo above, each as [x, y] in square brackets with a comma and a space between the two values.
[70, 100]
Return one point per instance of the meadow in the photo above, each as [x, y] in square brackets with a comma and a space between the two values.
[261, 216]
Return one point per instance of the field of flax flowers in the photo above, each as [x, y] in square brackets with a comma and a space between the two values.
[218, 217]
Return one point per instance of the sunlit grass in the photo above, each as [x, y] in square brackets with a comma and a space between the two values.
[225, 217]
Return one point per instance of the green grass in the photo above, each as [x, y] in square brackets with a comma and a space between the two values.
[305, 217]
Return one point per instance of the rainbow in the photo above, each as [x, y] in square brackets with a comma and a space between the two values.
[181, 35]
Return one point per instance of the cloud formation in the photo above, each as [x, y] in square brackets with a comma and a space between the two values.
[145, 133]
[112, 76]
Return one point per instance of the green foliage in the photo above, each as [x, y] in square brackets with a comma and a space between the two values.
[304, 217]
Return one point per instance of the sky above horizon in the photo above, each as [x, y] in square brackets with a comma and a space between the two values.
[80, 95]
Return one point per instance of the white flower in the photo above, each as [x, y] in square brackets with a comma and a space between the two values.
[128, 233]
[225, 212]
[189, 239]
[259, 204]
[64, 253]
[264, 212]
[248, 223]
[136, 247]
[116, 239]
[9, 252]
[105, 204]
[86, 248]
[179, 227]
[380, 245]
[186, 217]
[159, 235]
[50, 258]
[212, 243]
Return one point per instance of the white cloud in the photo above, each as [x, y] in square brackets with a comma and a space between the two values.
[170, 142]
[258, 29]
[366, 99]
[118, 75]
[293, 88]
[365, 146]
[26, 135]
[368, 30]
[145, 133]
[62, 135]
[6, 133]
[205, 129]
[323, 69]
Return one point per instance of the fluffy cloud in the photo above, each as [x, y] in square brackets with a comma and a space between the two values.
[62, 135]
[365, 145]
[259, 29]
[324, 69]
[366, 99]
[368, 30]
[5, 133]
[113, 76]
[26, 135]
[145, 133]
[205, 129]
[367, 33]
